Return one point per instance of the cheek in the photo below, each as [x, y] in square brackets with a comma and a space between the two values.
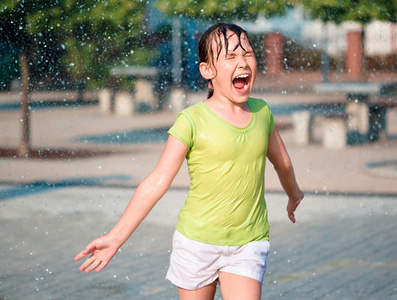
[253, 64]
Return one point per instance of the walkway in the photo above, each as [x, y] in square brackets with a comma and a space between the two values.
[342, 247]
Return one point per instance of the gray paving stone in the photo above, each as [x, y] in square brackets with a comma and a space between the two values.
[335, 251]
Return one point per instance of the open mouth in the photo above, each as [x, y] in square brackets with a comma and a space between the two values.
[241, 83]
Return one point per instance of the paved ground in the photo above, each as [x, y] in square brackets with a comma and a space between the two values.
[343, 246]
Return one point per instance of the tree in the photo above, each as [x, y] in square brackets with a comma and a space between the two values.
[92, 34]
[361, 11]
[223, 9]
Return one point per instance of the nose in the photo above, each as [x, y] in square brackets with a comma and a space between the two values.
[242, 62]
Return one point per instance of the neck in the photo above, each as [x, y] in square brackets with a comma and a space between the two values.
[237, 114]
[228, 105]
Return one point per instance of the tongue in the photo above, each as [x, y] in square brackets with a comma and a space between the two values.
[239, 83]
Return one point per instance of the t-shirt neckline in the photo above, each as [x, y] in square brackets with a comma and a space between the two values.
[227, 124]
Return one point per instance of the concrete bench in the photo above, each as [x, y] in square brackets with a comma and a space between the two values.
[145, 98]
[125, 103]
[331, 126]
[365, 107]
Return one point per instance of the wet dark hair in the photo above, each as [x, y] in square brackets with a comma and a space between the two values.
[218, 32]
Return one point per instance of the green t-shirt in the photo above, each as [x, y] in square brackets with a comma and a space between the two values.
[226, 203]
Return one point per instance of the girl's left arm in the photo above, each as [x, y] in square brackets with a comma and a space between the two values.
[278, 156]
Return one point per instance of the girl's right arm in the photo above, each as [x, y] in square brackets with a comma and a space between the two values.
[149, 191]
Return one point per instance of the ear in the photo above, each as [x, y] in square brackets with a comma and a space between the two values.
[207, 71]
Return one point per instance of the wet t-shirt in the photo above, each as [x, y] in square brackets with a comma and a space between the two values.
[226, 203]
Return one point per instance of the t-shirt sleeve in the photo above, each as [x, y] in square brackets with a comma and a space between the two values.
[271, 122]
[183, 130]
[266, 112]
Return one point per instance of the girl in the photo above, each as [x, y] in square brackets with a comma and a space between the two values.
[222, 231]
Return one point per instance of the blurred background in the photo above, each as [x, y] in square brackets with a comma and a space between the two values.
[94, 49]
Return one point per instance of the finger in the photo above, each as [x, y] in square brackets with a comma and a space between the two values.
[93, 265]
[89, 249]
[80, 256]
[87, 263]
[102, 266]
[292, 217]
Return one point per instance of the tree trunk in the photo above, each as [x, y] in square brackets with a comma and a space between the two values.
[25, 118]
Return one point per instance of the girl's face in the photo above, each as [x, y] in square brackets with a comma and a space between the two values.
[233, 73]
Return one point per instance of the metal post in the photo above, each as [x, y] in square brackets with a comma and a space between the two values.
[176, 53]
[325, 56]
[192, 54]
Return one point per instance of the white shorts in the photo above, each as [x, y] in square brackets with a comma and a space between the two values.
[195, 264]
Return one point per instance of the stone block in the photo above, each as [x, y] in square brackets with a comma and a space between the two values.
[123, 104]
[358, 116]
[334, 133]
[178, 100]
[105, 101]
[302, 122]
[144, 94]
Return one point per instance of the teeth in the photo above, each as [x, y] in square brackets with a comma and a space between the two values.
[243, 76]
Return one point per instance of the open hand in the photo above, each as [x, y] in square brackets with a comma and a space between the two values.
[102, 250]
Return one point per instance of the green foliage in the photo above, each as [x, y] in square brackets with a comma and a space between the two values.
[362, 11]
[223, 9]
[9, 65]
[92, 33]
[83, 18]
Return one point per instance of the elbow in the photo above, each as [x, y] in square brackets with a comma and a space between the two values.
[284, 170]
[283, 166]
[157, 185]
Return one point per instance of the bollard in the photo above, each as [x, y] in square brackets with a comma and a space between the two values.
[105, 101]
[145, 98]
[358, 122]
[178, 100]
[302, 121]
[123, 104]
[334, 133]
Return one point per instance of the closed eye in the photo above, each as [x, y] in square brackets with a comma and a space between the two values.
[249, 54]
